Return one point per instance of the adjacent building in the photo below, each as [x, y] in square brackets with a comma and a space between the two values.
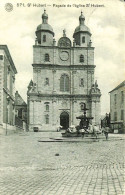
[20, 111]
[7, 88]
[117, 107]
[63, 78]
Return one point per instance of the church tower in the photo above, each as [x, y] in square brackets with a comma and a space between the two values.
[44, 32]
[82, 33]
[63, 78]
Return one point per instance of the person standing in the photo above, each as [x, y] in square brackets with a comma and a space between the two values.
[106, 131]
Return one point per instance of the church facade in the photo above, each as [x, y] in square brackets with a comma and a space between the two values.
[63, 78]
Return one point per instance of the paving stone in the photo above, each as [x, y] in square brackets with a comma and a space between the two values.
[29, 167]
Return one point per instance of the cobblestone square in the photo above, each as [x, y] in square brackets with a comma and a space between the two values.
[86, 167]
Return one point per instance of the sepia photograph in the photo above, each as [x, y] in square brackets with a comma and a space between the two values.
[62, 97]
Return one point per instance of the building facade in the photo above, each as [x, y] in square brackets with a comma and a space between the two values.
[20, 111]
[7, 88]
[63, 78]
[117, 107]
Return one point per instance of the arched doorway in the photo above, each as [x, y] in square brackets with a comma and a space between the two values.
[64, 120]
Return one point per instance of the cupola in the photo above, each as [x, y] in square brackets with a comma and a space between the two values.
[82, 33]
[44, 32]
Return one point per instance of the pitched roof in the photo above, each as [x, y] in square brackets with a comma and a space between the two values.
[19, 100]
[120, 85]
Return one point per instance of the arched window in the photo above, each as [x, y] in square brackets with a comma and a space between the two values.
[47, 119]
[44, 38]
[47, 107]
[83, 39]
[46, 57]
[81, 58]
[64, 83]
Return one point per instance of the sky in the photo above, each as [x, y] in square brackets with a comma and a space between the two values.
[107, 25]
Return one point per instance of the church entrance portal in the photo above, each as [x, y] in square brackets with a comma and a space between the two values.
[64, 120]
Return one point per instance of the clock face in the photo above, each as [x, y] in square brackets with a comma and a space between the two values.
[64, 55]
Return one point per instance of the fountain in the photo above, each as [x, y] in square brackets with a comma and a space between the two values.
[84, 124]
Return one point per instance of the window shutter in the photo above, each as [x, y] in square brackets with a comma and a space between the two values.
[81, 58]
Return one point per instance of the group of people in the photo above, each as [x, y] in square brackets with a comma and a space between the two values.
[92, 129]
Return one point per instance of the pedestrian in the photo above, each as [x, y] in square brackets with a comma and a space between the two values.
[106, 131]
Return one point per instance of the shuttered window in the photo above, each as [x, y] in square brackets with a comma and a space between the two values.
[81, 58]
[47, 57]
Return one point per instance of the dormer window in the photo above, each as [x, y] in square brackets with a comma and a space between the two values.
[44, 38]
[47, 57]
[81, 58]
[83, 39]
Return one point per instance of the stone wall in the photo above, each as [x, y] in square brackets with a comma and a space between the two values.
[1, 87]
[57, 105]
[55, 55]
[7, 79]
[54, 75]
